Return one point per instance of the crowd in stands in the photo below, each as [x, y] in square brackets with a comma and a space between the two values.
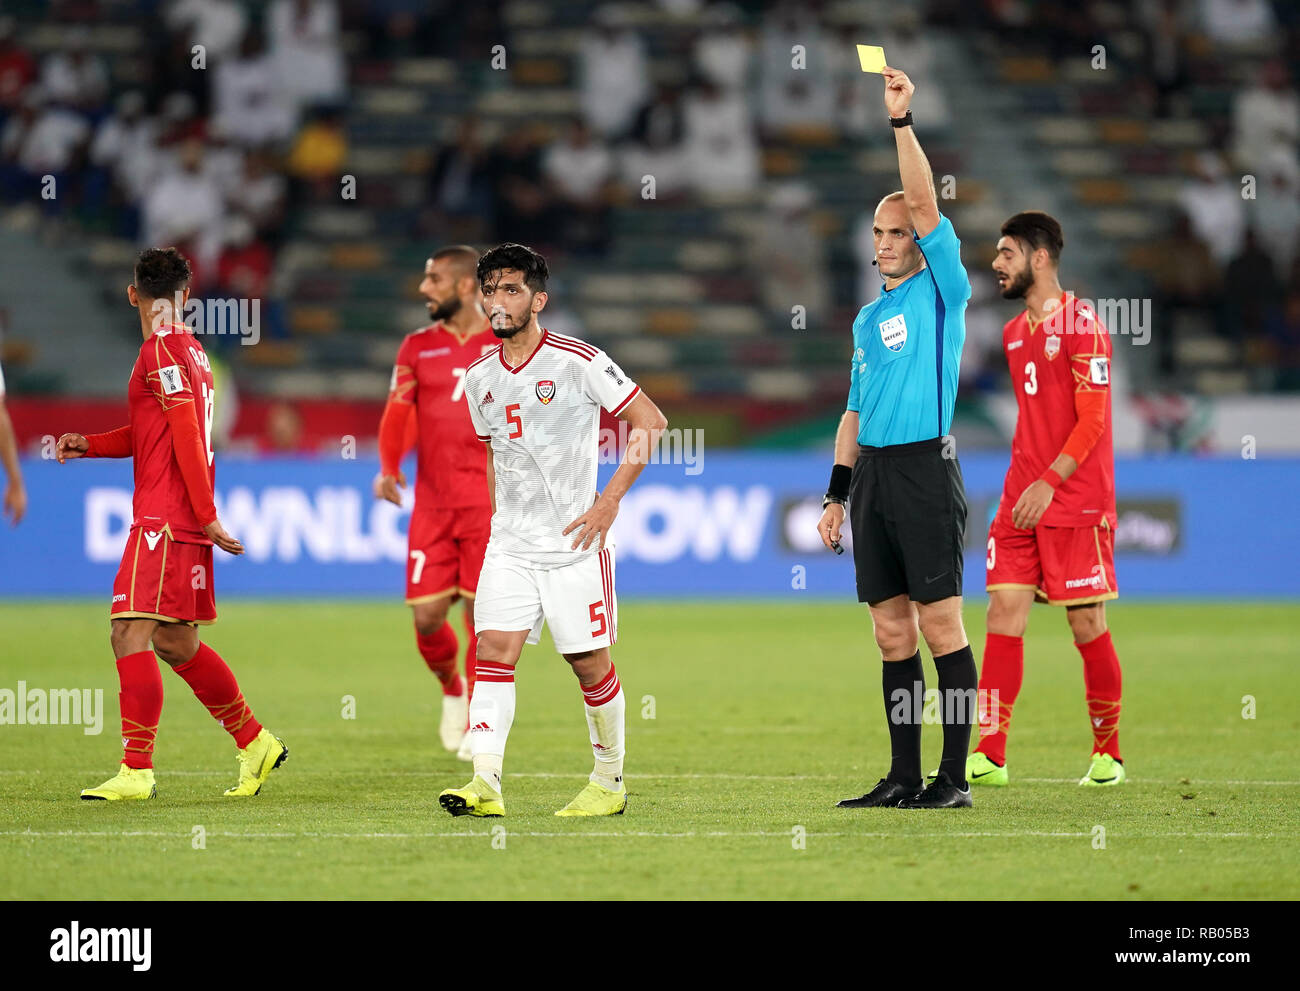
[1231, 259]
[230, 116]
[238, 113]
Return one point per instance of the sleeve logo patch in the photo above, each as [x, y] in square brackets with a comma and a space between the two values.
[893, 333]
[1099, 371]
[171, 379]
[613, 373]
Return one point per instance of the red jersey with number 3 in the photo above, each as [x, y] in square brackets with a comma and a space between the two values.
[1068, 352]
[172, 370]
[430, 373]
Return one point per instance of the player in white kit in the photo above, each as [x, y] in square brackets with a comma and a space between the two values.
[535, 400]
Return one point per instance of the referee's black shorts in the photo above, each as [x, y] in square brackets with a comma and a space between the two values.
[907, 511]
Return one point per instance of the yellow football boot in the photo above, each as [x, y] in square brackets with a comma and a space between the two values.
[478, 798]
[1104, 772]
[257, 761]
[597, 800]
[129, 784]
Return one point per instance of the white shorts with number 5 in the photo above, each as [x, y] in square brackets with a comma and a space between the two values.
[576, 600]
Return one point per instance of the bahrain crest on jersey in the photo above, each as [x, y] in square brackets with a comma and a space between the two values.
[1052, 346]
[545, 391]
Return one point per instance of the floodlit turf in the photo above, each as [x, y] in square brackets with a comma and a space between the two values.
[764, 715]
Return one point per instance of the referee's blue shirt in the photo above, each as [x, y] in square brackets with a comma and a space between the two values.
[907, 349]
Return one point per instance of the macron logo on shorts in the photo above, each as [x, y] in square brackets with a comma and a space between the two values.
[151, 539]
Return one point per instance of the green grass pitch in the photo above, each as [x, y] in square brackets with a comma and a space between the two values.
[764, 715]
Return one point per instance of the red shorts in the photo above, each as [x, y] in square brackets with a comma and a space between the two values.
[164, 579]
[1064, 565]
[445, 552]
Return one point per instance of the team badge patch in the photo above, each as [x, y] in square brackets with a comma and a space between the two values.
[545, 391]
[893, 333]
[1052, 346]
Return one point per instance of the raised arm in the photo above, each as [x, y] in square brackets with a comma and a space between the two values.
[913, 168]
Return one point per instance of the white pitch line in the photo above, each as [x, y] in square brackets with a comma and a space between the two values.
[639, 834]
[673, 776]
[576, 775]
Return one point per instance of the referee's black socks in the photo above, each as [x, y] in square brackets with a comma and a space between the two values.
[958, 695]
[904, 685]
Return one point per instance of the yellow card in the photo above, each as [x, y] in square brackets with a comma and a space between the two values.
[872, 57]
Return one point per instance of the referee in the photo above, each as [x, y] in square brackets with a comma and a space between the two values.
[901, 480]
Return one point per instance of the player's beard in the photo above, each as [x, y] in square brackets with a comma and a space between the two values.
[444, 310]
[1019, 284]
[506, 328]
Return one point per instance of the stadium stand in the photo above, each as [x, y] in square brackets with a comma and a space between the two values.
[322, 148]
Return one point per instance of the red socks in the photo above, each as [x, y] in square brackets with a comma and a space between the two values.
[471, 655]
[141, 701]
[439, 652]
[1102, 683]
[1004, 670]
[214, 685]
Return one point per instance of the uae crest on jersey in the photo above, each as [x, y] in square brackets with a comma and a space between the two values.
[545, 391]
[1052, 346]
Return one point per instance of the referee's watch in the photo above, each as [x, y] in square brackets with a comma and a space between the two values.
[828, 499]
[904, 121]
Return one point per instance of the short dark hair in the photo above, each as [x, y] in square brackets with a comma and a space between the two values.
[161, 272]
[519, 257]
[1038, 230]
[463, 256]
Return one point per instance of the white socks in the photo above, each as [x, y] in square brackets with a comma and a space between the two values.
[491, 712]
[605, 706]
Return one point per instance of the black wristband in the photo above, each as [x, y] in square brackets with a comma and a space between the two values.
[904, 121]
[839, 484]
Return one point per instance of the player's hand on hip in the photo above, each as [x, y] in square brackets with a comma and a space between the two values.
[386, 487]
[15, 502]
[828, 527]
[71, 446]
[1031, 505]
[597, 520]
[898, 91]
[217, 534]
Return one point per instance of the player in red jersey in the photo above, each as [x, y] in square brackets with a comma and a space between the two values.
[1054, 533]
[452, 517]
[163, 589]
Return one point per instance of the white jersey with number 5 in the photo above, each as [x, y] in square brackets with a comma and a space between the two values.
[543, 421]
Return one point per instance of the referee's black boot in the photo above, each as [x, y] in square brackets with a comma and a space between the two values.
[940, 793]
[886, 794]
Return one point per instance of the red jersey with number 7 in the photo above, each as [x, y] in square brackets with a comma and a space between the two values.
[1068, 352]
[172, 370]
[430, 374]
